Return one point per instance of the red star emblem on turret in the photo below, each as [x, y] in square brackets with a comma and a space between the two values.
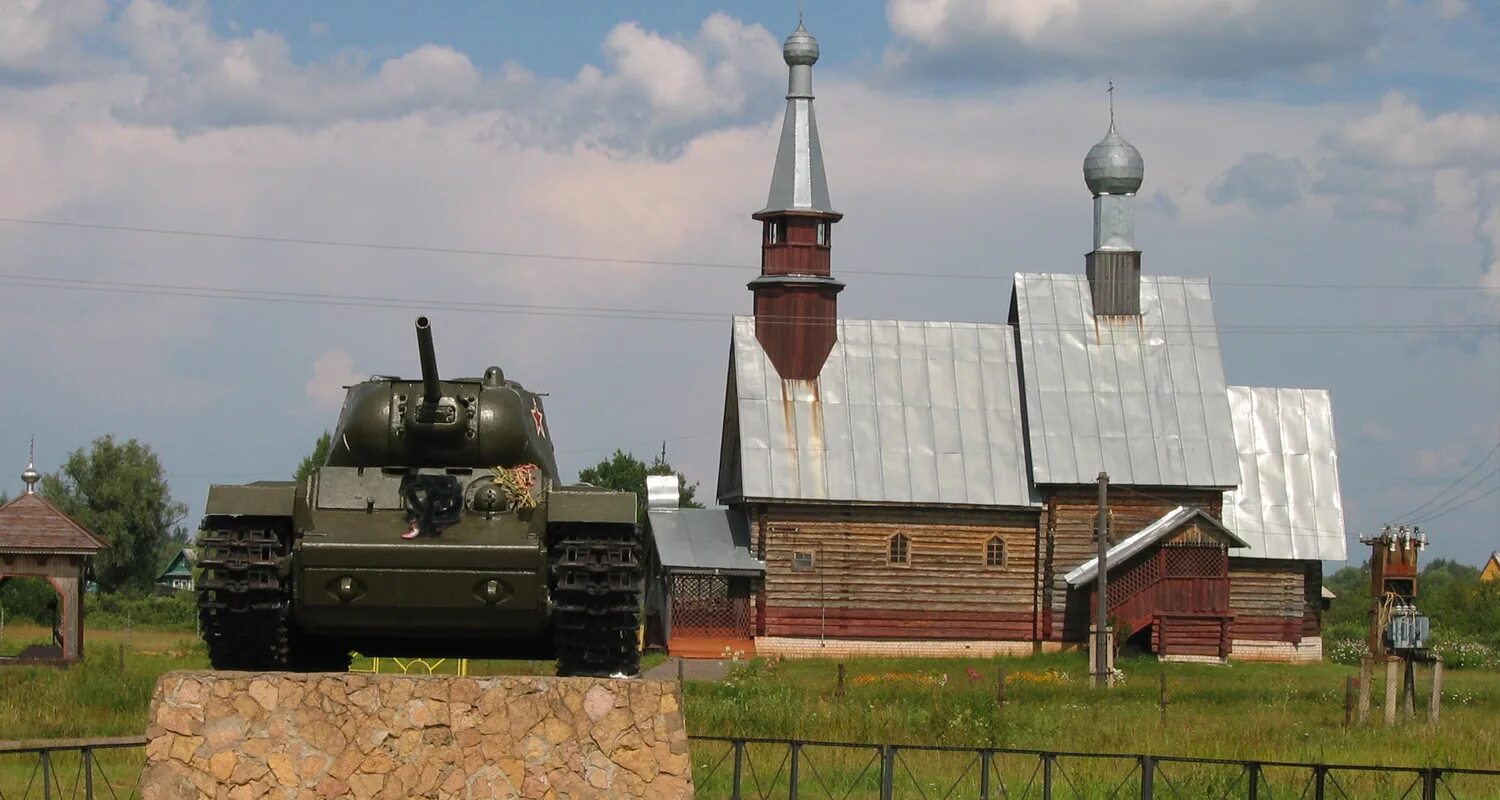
[536, 416]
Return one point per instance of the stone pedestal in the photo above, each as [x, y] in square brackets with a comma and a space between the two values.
[284, 735]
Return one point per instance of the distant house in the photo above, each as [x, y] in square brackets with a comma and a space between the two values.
[1491, 569]
[179, 574]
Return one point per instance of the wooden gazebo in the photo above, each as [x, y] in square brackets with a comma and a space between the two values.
[39, 540]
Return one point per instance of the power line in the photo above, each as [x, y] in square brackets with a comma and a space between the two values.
[1407, 516]
[1450, 504]
[1469, 502]
[375, 301]
[650, 262]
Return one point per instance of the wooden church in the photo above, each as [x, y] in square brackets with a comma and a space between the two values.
[930, 488]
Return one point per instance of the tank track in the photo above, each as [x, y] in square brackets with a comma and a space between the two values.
[244, 602]
[597, 580]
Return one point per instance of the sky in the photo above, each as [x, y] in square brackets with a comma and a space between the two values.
[1333, 167]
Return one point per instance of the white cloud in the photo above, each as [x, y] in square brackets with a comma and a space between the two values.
[331, 372]
[1005, 41]
[655, 93]
[40, 39]
[1401, 134]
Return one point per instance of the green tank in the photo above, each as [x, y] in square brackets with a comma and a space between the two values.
[438, 528]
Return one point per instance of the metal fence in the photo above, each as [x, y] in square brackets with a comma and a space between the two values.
[744, 768]
[63, 769]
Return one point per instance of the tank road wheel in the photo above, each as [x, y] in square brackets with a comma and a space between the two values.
[596, 599]
[243, 603]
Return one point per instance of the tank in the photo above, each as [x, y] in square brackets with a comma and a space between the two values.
[437, 528]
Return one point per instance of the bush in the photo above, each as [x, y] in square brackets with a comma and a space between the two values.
[176, 612]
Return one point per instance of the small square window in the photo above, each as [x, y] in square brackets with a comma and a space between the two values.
[802, 562]
[900, 549]
[994, 552]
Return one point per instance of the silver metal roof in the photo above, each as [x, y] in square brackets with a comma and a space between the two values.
[1288, 503]
[902, 412]
[1172, 520]
[663, 491]
[1142, 398]
[1114, 166]
[798, 182]
[703, 539]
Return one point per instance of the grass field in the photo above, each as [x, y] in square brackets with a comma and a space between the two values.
[1241, 711]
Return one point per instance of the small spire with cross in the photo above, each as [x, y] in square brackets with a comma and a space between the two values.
[1111, 91]
[30, 475]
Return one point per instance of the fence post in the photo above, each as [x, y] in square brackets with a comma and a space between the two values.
[1430, 783]
[888, 772]
[1366, 677]
[986, 758]
[839, 692]
[1320, 781]
[739, 767]
[1390, 690]
[1000, 687]
[1253, 769]
[88, 773]
[1348, 701]
[47, 774]
[1047, 759]
[796, 756]
[1162, 697]
[1435, 702]
[1148, 777]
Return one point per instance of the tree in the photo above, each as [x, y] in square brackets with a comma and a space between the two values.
[4, 498]
[623, 472]
[118, 491]
[317, 458]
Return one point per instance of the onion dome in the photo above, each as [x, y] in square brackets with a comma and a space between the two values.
[31, 476]
[801, 49]
[1113, 166]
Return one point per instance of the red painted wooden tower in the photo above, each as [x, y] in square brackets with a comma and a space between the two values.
[796, 296]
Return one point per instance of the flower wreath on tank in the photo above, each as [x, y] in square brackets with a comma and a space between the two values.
[519, 485]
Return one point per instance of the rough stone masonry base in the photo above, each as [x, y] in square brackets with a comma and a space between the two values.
[283, 735]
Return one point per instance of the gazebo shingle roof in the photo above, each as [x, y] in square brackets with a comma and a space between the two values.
[29, 524]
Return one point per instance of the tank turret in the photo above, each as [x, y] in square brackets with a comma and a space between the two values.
[469, 422]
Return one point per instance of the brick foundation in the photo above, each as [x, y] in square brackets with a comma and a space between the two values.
[1309, 650]
[790, 647]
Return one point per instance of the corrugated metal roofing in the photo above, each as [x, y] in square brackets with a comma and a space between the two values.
[1141, 398]
[29, 524]
[902, 412]
[703, 539]
[1288, 504]
[1087, 571]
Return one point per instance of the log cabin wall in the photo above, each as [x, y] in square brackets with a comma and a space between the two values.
[1068, 539]
[1269, 598]
[845, 585]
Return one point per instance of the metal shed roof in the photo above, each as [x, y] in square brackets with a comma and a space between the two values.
[902, 412]
[703, 540]
[1141, 398]
[1288, 504]
[1172, 520]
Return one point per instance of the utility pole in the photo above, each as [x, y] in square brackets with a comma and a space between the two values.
[1101, 666]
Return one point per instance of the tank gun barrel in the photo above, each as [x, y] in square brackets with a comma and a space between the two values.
[432, 392]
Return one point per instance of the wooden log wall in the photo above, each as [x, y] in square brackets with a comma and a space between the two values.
[944, 591]
[1268, 598]
[1068, 538]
